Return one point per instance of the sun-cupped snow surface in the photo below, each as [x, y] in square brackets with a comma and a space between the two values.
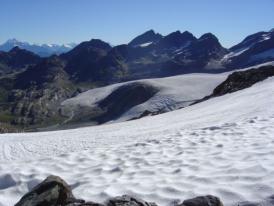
[174, 92]
[223, 146]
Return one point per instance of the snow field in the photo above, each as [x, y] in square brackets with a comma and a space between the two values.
[223, 147]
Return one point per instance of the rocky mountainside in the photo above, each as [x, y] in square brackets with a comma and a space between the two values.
[32, 97]
[83, 61]
[43, 50]
[16, 59]
[32, 88]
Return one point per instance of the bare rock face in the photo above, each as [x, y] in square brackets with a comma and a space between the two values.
[243, 79]
[52, 191]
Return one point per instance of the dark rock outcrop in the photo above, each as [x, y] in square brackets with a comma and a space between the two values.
[54, 191]
[208, 200]
[241, 80]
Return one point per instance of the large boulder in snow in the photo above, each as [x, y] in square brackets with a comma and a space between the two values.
[52, 191]
[126, 200]
[208, 200]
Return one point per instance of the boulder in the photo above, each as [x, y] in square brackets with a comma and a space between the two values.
[53, 191]
[208, 200]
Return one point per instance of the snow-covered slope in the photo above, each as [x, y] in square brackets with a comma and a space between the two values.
[174, 92]
[223, 146]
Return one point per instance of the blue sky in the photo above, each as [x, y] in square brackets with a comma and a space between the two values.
[118, 21]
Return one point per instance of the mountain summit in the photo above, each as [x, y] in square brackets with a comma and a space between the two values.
[147, 38]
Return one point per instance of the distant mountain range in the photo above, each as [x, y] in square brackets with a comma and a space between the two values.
[32, 88]
[43, 50]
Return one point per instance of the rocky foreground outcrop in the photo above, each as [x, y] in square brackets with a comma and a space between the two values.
[241, 80]
[54, 191]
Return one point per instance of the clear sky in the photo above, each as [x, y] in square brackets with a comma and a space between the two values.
[118, 21]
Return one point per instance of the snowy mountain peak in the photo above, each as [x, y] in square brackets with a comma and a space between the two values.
[40, 49]
[10, 41]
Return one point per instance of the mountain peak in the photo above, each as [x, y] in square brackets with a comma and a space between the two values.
[173, 34]
[151, 31]
[12, 41]
[186, 35]
[177, 39]
[148, 36]
[98, 43]
[189, 35]
[208, 36]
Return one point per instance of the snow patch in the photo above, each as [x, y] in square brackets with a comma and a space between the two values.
[235, 53]
[145, 44]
